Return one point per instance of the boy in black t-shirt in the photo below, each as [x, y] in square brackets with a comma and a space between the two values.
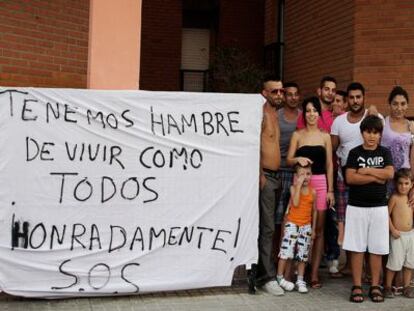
[368, 168]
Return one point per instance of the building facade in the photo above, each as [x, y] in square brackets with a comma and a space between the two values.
[178, 42]
[47, 43]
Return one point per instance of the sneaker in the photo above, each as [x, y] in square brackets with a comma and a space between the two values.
[333, 266]
[388, 293]
[408, 292]
[301, 287]
[286, 285]
[398, 290]
[273, 288]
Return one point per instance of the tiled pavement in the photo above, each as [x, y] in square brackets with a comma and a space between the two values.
[333, 296]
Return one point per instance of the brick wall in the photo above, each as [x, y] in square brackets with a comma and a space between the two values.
[161, 45]
[44, 43]
[384, 48]
[318, 42]
[367, 41]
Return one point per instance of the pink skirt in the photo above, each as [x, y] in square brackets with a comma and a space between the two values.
[318, 182]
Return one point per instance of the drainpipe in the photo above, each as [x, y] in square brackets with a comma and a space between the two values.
[281, 33]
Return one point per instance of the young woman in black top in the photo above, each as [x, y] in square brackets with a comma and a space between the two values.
[311, 145]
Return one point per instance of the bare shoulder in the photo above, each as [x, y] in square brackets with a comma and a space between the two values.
[269, 112]
[399, 199]
[394, 199]
[326, 137]
[295, 135]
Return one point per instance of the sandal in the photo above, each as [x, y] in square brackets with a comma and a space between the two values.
[408, 292]
[316, 284]
[376, 294]
[356, 297]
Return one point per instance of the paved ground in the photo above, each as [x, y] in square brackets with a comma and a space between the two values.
[333, 296]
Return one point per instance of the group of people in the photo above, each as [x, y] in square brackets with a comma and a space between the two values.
[334, 174]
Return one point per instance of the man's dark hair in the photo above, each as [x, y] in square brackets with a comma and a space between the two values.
[270, 77]
[403, 173]
[291, 84]
[341, 93]
[297, 166]
[397, 90]
[371, 124]
[355, 86]
[327, 79]
[315, 102]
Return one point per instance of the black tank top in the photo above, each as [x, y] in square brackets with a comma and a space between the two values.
[317, 154]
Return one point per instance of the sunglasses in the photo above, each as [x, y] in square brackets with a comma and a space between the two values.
[277, 91]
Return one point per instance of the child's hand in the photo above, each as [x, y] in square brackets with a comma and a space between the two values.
[299, 180]
[363, 171]
[395, 234]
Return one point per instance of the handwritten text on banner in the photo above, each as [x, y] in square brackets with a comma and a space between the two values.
[116, 192]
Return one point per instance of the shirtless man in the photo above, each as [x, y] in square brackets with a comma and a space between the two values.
[270, 185]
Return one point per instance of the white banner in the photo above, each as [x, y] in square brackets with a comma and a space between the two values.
[118, 192]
